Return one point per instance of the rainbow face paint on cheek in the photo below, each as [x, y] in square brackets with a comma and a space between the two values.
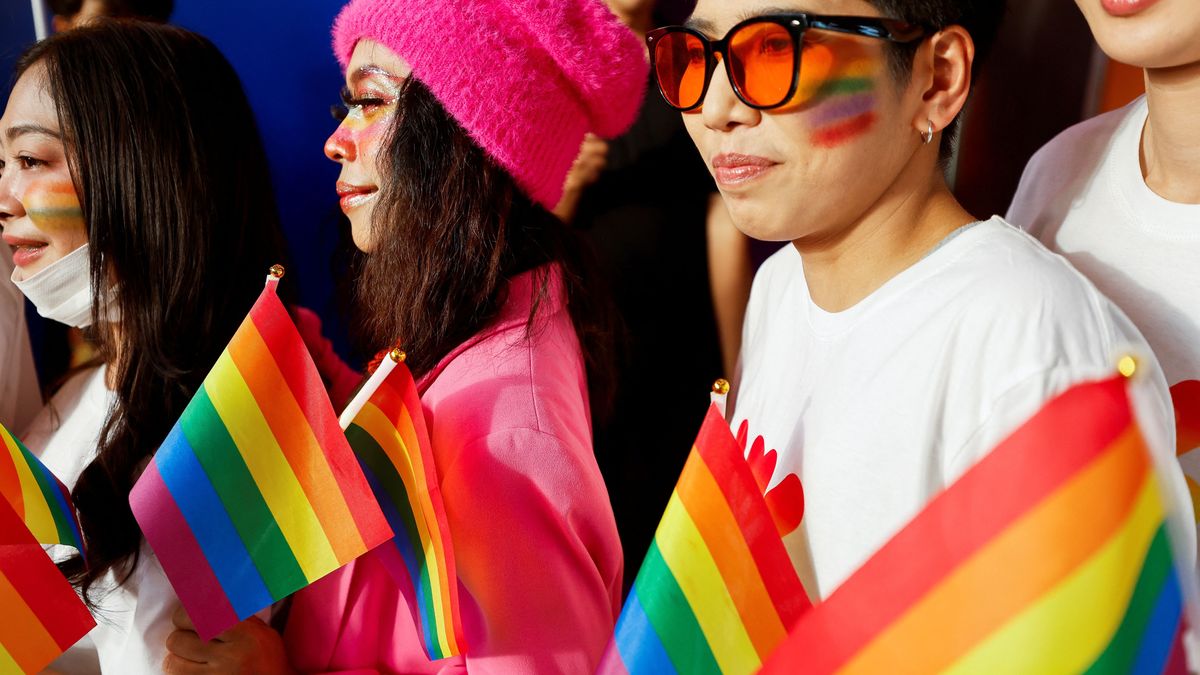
[844, 107]
[53, 206]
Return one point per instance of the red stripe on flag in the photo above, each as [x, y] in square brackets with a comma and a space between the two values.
[39, 583]
[724, 459]
[1019, 473]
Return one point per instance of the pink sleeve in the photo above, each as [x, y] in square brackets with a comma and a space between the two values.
[538, 559]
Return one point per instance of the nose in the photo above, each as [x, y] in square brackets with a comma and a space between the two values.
[722, 109]
[11, 208]
[340, 146]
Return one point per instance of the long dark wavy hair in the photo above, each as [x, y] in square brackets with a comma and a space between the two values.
[450, 229]
[176, 194]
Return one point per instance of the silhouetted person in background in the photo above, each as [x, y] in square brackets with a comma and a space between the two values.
[70, 14]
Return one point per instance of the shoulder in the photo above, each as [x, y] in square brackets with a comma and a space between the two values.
[512, 381]
[1063, 168]
[1018, 300]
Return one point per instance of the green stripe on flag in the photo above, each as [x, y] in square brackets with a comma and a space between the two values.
[1122, 650]
[672, 617]
[50, 493]
[241, 496]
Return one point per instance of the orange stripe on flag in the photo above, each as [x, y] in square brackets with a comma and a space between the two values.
[997, 584]
[291, 429]
[23, 635]
[702, 497]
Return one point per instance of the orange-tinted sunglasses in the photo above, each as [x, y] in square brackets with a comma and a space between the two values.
[762, 55]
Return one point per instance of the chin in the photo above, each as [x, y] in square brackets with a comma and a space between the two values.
[360, 233]
[1153, 53]
[1148, 41]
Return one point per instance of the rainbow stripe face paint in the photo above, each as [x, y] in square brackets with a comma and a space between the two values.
[53, 206]
[839, 97]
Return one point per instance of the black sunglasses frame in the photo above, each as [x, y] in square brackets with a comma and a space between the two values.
[892, 30]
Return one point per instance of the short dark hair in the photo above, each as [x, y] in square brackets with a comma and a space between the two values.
[980, 18]
[158, 11]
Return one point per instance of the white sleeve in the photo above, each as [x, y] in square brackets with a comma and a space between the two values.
[20, 398]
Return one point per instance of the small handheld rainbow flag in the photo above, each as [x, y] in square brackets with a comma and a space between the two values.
[40, 614]
[255, 492]
[37, 497]
[717, 592]
[386, 428]
[1051, 555]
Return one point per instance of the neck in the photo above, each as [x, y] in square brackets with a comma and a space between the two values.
[908, 221]
[1171, 141]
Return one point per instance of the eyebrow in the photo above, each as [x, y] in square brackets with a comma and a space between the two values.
[708, 27]
[19, 130]
[368, 70]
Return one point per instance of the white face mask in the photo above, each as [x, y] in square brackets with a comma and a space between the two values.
[63, 291]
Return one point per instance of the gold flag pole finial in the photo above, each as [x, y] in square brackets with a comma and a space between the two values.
[276, 271]
[720, 394]
[398, 355]
[1127, 366]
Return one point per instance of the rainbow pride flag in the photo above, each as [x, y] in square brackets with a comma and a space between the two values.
[255, 493]
[36, 496]
[40, 614]
[385, 425]
[717, 592]
[1051, 555]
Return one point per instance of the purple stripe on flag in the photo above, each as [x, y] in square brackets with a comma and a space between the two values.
[180, 555]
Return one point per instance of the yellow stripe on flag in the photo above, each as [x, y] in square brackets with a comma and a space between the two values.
[260, 450]
[696, 572]
[1069, 628]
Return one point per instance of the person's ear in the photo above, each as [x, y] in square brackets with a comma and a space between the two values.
[942, 70]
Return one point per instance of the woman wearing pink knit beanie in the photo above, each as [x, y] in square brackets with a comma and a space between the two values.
[462, 121]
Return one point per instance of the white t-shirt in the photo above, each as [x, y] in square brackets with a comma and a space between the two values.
[20, 398]
[134, 618]
[879, 407]
[1084, 196]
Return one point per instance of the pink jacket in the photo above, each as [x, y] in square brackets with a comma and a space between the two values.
[536, 545]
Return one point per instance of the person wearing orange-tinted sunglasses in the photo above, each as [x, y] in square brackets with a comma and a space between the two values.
[896, 338]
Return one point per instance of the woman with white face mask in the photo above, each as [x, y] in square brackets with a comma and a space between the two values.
[136, 201]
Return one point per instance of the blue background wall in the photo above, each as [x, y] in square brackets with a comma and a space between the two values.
[282, 51]
[16, 31]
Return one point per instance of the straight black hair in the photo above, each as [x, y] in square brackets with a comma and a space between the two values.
[177, 199]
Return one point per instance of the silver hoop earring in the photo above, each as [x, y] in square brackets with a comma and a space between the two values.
[927, 135]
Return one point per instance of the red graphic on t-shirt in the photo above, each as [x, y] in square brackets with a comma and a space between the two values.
[785, 501]
[1186, 396]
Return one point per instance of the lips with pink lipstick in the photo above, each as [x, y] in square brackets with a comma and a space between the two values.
[24, 251]
[1125, 7]
[734, 169]
[351, 196]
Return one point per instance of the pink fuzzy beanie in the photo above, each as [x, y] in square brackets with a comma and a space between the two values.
[526, 78]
